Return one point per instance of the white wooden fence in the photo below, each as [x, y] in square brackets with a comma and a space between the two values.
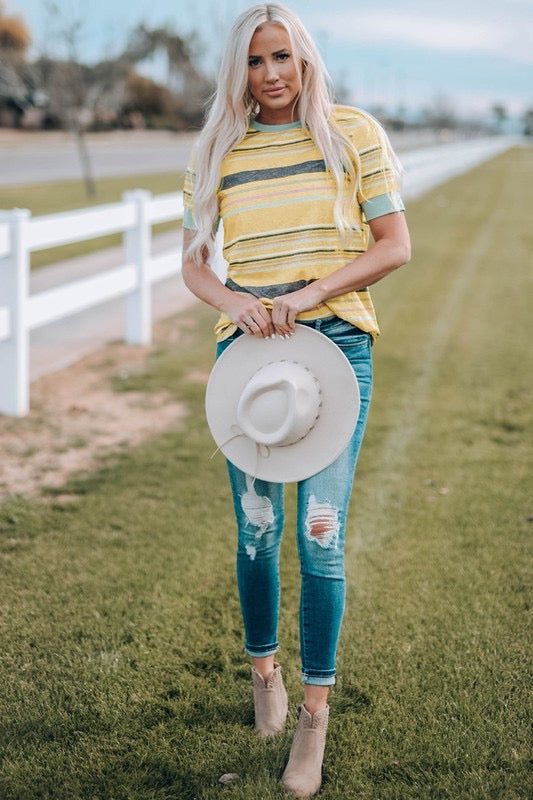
[20, 312]
[21, 235]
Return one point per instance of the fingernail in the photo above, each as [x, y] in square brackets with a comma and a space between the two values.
[273, 336]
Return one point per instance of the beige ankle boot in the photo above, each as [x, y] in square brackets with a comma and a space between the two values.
[270, 702]
[303, 773]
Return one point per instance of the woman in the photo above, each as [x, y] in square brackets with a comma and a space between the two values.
[298, 183]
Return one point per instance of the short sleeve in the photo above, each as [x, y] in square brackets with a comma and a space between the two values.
[188, 197]
[188, 200]
[378, 177]
[383, 204]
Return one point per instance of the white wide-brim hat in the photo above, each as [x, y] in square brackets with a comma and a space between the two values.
[282, 409]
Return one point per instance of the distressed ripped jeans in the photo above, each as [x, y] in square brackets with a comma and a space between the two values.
[321, 519]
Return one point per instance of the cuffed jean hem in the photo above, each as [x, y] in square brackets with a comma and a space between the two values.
[318, 680]
[268, 650]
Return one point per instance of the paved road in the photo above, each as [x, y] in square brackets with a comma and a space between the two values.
[55, 346]
[40, 157]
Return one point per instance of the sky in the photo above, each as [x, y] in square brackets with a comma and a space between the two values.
[469, 54]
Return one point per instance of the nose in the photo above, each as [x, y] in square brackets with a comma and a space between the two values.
[272, 72]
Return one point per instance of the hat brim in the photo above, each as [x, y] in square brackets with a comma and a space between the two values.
[340, 401]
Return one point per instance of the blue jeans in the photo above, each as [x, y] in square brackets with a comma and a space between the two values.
[321, 520]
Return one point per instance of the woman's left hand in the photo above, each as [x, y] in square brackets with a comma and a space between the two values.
[286, 307]
[390, 250]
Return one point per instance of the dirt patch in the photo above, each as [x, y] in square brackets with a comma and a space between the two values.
[76, 418]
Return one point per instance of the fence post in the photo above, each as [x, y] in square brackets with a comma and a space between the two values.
[14, 351]
[137, 248]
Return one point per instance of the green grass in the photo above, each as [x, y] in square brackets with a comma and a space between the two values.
[122, 671]
[56, 196]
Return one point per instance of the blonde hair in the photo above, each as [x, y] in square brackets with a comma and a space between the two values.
[233, 104]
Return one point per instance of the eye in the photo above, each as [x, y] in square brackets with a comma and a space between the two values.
[282, 56]
[254, 61]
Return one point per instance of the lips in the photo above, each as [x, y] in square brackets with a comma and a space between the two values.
[275, 92]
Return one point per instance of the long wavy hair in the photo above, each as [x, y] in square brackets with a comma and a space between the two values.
[232, 105]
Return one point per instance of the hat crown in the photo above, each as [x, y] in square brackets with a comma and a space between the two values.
[280, 404]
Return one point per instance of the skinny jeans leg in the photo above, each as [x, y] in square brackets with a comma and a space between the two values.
[323, 501]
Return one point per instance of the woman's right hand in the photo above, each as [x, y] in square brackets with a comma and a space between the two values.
[244, 310]
[249, 314]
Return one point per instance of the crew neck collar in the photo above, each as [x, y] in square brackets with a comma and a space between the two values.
[260, 126]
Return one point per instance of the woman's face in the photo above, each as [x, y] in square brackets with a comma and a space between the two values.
[274, 74]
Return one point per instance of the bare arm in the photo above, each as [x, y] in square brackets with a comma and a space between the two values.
[390, 250]
[242, 308]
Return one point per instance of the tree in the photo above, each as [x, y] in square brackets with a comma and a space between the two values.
[154, 77]
[15, 37]
[16, 77]
[440, 115]
[145, 96]
[528, 122]
[75, 91]
[185, 89]
[499, 115]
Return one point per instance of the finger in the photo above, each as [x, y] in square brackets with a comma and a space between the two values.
[285, 320]
[291, 319]
[252, 327]
[281, 321]
[283, 330]
[261, 322]
[262, 325]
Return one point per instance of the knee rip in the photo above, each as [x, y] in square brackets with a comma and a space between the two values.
[259, 513]
[322, 523]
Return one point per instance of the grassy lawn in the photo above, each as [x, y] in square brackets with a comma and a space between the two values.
[122, 671]
[55, 196]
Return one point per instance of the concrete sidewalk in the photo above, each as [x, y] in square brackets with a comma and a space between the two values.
[55, 346]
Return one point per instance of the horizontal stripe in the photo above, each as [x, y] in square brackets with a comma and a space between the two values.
[301, 188]
[289, 233]
[291, 153]
[276, 204]
[276, 199]
[314, 252]
[275, 290]
[255, 148]
[238, 178]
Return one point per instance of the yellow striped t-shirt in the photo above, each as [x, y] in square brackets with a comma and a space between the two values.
[276, 200]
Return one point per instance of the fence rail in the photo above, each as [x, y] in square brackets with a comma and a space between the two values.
[20, 312]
